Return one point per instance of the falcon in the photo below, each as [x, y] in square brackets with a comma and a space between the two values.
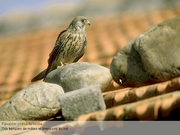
[69, 47]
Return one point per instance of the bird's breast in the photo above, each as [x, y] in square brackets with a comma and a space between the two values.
[74, 46]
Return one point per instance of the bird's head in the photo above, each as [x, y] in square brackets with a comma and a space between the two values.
[79, 22]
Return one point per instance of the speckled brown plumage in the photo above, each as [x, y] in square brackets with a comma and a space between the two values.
[70, 46]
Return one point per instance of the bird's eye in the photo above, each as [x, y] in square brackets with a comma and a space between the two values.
[83, 20]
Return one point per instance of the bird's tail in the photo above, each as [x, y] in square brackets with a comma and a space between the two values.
[40, 76]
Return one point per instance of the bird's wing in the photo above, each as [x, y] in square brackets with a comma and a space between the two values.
[63, 36]
[59, 42]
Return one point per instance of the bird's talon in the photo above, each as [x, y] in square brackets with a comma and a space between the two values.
[59, 66]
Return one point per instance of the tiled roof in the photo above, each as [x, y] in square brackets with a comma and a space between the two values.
[25, 55]
[143, 103]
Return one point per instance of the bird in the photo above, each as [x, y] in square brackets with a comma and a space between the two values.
[69, 47]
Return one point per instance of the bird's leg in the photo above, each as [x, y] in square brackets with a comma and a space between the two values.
[62, 64]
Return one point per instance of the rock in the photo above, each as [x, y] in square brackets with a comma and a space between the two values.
[39, 101]
[79, 75]
[82, 101]
[152, 57]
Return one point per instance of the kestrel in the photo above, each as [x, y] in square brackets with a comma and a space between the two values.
[69, 47]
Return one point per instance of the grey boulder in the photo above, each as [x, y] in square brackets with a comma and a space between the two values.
[81, 101]
[152, 57]
[39, 101]
[79, 75]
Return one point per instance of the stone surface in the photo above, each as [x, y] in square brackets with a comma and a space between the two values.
[39, 101]
[82, 101]
[153, 56]
[79, 75]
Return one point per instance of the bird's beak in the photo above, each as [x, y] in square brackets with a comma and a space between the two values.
[88, 22]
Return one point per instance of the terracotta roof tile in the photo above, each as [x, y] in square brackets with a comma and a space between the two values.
[128, 95]
[148, 109]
